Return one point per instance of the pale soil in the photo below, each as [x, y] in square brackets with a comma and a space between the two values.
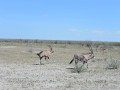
[20, 70]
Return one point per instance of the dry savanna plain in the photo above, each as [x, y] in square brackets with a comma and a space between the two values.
[20, 68]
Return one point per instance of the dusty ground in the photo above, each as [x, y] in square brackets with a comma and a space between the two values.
[20, 70]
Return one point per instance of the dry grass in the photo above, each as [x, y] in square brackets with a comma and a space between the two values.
[20, 69]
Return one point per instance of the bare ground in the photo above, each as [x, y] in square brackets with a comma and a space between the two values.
[20, 70]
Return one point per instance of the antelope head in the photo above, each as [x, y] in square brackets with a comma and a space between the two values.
[50, 49]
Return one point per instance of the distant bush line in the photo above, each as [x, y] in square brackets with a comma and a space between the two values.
[82, 43]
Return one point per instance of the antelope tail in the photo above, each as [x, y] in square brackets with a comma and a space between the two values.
[40, 52]
[71, 60]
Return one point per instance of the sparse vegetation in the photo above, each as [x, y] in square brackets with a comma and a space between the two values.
[30, 50]
[113, 63]
[78, 69]
[19, 69]
[69, 84]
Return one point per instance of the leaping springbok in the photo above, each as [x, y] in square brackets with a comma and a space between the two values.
[83, 57]
[45, 53]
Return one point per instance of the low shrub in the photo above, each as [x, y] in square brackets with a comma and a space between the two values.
[113, 63]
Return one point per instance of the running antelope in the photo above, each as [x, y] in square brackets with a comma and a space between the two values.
[83, 57]
[104, 50]
[45, 53]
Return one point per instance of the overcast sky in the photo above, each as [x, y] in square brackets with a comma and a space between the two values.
[95, 20]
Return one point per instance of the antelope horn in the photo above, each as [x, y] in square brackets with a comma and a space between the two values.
[90, 48]
[49, 47]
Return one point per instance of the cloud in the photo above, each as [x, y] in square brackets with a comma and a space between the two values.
[118, 32]
[44, 15]
[110, 33]
[98, 32]
[74, 30]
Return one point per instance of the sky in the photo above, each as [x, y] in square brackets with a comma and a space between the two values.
[95, 20]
